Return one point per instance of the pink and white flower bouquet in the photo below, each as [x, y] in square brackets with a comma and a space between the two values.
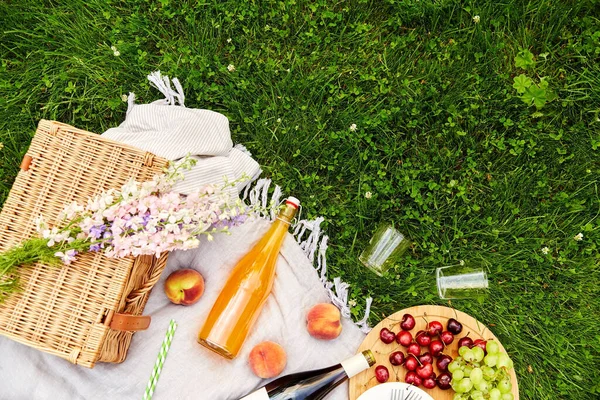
[142, 218]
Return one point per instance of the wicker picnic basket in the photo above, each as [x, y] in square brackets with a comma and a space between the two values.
[85, 312]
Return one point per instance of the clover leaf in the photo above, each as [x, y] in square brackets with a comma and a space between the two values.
[524, 59]
[536, 95]
[522, 82]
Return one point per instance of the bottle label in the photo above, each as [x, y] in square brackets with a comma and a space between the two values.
[260, 394]
[355, 365]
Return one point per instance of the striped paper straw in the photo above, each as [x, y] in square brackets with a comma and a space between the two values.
[160, 360]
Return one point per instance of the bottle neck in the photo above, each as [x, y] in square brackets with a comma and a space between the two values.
[287, 214]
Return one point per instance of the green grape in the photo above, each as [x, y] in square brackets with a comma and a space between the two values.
[477, 395]
[459, 359]
[463, 350]
[504, 385]
[495, 394]
[488, 372]
[492, 347]
[476, 364]
[483, 386]
[503, 361]
[453, 366]
[458, 375]
[490, 360]
[476, 375]
[508, 396]
[465, 385]
[478, 353]
[458, 396]
[469, 356]
[467, 370]
[456, 385]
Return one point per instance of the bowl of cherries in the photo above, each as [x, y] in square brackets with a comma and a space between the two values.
[420, 346]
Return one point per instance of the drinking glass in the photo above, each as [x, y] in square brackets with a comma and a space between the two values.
[461, 281]
[384, 249]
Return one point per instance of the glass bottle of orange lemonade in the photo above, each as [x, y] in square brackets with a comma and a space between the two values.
[246, 290]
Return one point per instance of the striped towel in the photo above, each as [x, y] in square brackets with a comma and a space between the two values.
[174, 132]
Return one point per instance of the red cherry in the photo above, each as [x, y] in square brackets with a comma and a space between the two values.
[408, 322]
[411, 362]
[413, 379]
[404, 338]
[429, 383]
[424, 371]
[465, 341]
[423, 338]
[443, 361]
[381, 373]
[397, 358]
[447, 337]
[434, 328]
[386, 336]
[443, 380]
[480, 343]
[454, 326]
[425, 358]
[414, 348]
[436, 347]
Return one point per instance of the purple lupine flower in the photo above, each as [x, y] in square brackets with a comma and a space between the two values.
[95, 247]
[97, 230]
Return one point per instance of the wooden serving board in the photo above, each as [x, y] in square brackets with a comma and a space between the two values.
[476, 330]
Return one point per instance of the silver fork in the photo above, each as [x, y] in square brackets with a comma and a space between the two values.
[411, 396]
[396, 393]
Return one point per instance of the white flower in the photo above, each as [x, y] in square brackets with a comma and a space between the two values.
[476, 19]
[116, 52]
[229, 40]
[368, 195]
[545, 250]
[462, 262]
[352, 303]
[231, 67]
[40, 224]
[67, 257]
[578, 237]
[124, 98]
[353, 127]
[278, 119]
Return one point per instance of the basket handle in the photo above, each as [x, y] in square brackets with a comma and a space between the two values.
[157, 269]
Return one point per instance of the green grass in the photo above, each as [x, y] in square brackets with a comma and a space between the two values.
[444, 143]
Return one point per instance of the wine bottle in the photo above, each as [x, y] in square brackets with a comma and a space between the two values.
[246, 290]
[313, 385]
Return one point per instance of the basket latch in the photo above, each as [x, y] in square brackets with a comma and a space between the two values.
[127, 322]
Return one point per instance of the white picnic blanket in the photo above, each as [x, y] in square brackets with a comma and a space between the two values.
[191, 371]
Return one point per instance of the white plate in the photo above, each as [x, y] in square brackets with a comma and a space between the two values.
[384, 392]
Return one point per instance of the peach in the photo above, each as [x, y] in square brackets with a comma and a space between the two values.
[323, 321]
[184, 286]
[267, 360]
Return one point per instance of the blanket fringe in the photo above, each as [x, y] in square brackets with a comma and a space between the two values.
[163, 83]
[312, 241]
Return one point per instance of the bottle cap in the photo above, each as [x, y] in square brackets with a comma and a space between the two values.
[369, 357]
[293, 201]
